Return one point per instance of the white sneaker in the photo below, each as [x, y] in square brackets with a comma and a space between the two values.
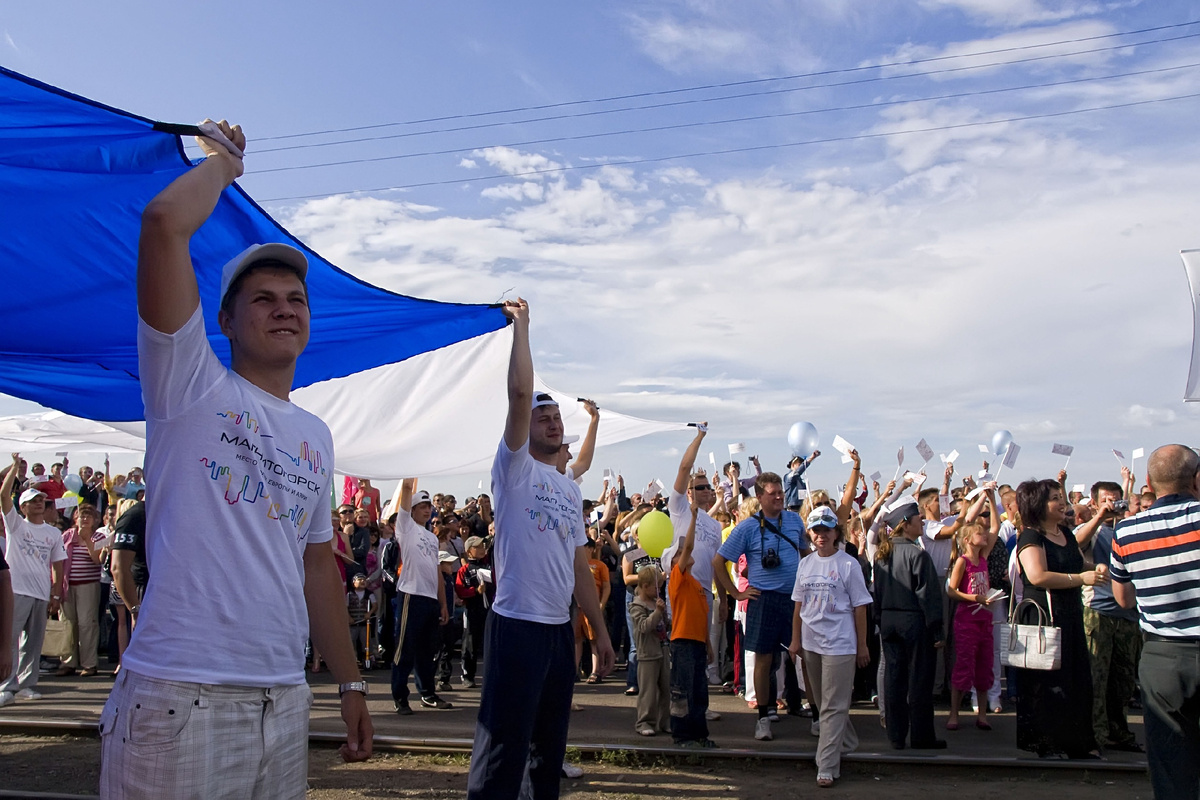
[815, 728]
[762, 730]
[571, 770]
[711, 716]
[28, 694]
[6, 698]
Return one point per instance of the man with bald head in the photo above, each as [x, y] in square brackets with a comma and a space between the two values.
[1156, 564]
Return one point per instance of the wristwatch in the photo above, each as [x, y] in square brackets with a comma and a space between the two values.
[353, 686]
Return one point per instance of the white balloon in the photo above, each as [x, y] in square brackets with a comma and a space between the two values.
[1000, 442]
[803, 439]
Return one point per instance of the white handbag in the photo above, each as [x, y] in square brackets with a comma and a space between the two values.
[1030, 646]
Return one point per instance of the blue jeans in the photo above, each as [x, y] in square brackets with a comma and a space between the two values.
[689, 690]
[526, 701]
[631, 680]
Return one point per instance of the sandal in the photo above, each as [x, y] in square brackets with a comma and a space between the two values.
[593, 678]
[631, 692]
[825, 780]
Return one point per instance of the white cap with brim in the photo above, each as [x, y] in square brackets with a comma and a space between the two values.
[822, 517]
[542, 399]
[273, 251]
[668, 555]
[901, 510]
[30, 494]
[570, 439]
[419, 497]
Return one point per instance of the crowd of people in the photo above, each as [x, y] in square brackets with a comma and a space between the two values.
[797, 600]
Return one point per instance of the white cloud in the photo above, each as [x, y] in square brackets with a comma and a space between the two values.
[8, 39]
[515, 191]
[678, 45]
[468, 163]
[977, 283]
[515, 162]
[1139, 416]
[1015, 12]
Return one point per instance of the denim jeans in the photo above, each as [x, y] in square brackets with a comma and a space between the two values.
[631, 676]
[689, 690]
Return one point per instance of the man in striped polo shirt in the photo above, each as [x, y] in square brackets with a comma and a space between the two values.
[1156, 563]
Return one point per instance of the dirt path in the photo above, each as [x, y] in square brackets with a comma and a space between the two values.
[71, 765]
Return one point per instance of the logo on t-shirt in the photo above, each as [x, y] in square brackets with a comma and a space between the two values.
[558, 511]
[287, 493]
[242, 419]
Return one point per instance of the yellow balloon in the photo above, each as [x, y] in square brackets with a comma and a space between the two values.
[655, 533]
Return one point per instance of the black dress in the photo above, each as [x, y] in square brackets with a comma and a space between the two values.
[1054, 707]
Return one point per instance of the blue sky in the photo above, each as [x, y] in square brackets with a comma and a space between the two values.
[889, 288]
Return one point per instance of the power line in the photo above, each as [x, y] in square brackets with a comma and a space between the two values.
[703, 100]
[749, 149]
[702, 123]
[731, 84]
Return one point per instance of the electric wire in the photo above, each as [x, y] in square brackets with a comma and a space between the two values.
[703, 100]
[704, 123]
[755, 81]
[747, 149]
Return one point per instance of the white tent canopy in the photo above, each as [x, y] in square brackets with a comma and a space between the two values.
[439, 413]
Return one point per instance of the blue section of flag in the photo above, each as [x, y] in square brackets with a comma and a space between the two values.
[74, 178]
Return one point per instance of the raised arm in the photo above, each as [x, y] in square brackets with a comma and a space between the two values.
[404, 494]
[689, 459]
[520, 376]
[10, 477]
[587, 448]
[689, 541]
[166, 279]
[847, 504]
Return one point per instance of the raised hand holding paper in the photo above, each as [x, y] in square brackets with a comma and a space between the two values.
[802, 439]
[1010, 457]
[843, 447]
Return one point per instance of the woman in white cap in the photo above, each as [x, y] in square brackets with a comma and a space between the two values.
[829, 627]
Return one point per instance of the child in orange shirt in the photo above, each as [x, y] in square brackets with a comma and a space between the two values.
[583, 629]
[690, 650]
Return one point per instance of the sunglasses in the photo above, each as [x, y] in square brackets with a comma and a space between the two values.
[704, 487]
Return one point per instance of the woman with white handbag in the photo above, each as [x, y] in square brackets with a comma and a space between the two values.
[1054, 705]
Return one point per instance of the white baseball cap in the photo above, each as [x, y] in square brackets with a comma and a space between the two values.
[542, 399]
[273, 251]
[30, 494]
[419, 497]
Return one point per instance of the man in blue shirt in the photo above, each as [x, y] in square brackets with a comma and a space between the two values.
[773, 541]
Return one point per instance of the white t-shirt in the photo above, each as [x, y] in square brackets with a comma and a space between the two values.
[240, 486]
[419, 554]
[708, 536]
[938, 549]
[30, 550]
[828, 590]
[539, 524]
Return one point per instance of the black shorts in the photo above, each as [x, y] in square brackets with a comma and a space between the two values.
[769, 622]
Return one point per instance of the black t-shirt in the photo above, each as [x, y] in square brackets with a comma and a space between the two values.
[360, 543]
[3, 563]
[477, 526]
[129, 533]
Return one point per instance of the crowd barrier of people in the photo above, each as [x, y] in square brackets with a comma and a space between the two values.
[798, 600]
